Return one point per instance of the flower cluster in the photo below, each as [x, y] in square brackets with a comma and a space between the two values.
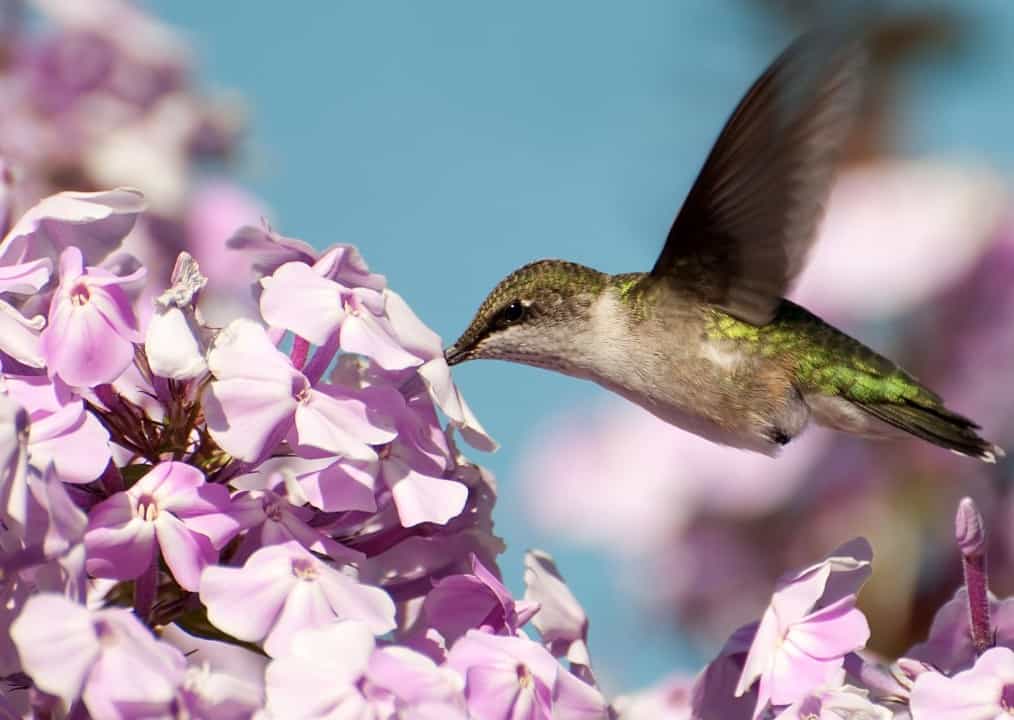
[806, 658]
[279, 495]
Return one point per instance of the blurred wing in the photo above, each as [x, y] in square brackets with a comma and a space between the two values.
[743, 233]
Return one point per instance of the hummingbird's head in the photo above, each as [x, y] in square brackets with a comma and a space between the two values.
[533, 316]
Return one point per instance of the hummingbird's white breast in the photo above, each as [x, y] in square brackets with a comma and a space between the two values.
[666, 364]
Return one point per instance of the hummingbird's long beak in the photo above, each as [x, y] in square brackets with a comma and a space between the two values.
[453, 355]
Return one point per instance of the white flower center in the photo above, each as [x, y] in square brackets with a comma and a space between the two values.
[146, 509]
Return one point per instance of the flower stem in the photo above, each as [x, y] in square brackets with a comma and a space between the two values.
[300, 349]
[145, 591]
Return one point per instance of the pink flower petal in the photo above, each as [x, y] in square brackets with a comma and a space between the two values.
[832, 632]
[305, 607]
[352, 600]
[340, 425]
[248, 417]
[25, 278]
[421, 498]
[298, 299]
[186, 553]
[245, 602]
[364, 333]
[19, 336]
[118, 545]
[341, 486]
[57, 644]
[80, 454]
[81, 347]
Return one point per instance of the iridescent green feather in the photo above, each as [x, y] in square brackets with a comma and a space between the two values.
[822, 358]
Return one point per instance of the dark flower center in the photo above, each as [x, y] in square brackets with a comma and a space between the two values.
[1007, 698]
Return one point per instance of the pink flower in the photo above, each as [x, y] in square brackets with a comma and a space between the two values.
[71, 653]
[282, 589]
[834, 703]
[61, 432]
[93, 222]
[985, 692]
[949, 646]
[258, 399]
[172, 509]
[175, 342]
[561, 621]
[92, 329]
[422, 342]
[300, 298]
[338, 671]
[514, 677]
[415, 467]
[270, 519]
[809, 627]
[324, 483]
[479, 600]
[19, 336]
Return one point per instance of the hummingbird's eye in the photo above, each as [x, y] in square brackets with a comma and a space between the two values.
[513, 313]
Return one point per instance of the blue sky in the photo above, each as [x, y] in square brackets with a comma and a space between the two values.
[453, 141]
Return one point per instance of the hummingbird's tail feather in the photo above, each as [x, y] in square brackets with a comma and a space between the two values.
[937, 425]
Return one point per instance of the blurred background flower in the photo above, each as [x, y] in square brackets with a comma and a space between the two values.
[454, 141]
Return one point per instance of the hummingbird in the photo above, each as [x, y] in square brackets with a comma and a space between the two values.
[705, 340]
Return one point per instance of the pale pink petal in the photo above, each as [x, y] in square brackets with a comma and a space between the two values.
[437, 376]
[305, 607]
[345, 265]
[421, 498]
[762, 652]
[245, 602]
[832, 632]
[363, 333]
[25, 278]
[794, 675]
[341, 486]
[560, 616]
[298, 299]
[495, 693]
[186, 553]
[576, 700]
[937, 697]
[243, 350]
[248, 417]
[119, 545]
[351, 600]
[171, 483]
[96, 222]
[57, 644]
[114, 306]
[80, 454]
[19, 336]
[172, 345]
[81, 347]
[412, 333]
[342, 426]
[129, 651]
